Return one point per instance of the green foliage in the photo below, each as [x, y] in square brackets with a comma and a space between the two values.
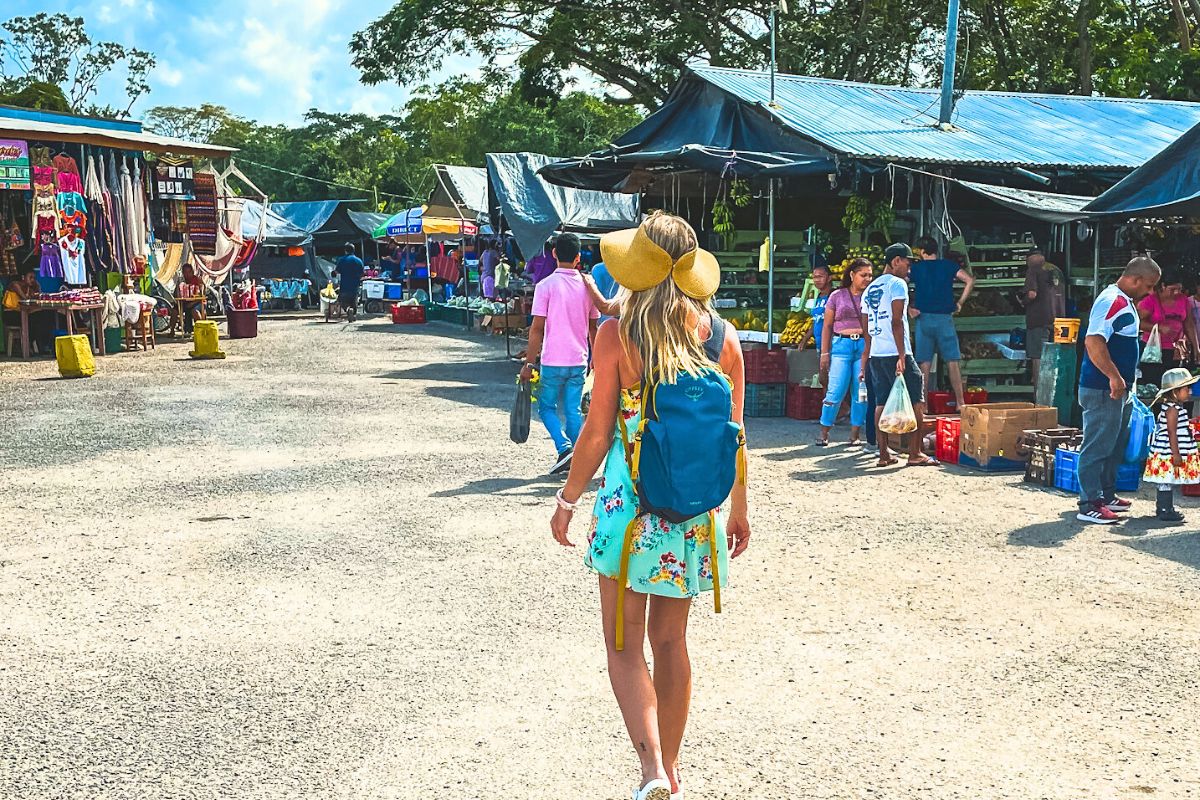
[37, 94]
[868, 215]
[55, 49]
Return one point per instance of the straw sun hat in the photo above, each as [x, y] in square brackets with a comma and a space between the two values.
[638, 264]
[1174, 379]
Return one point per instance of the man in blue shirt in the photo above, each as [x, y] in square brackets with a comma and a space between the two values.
[350, 272]
[933, 309]
[603, 290]
[1106, 376]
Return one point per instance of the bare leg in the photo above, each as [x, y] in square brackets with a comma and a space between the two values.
[630, 677]
[824, 437]
[672, 675]
[956, 381]
[885, 455]
[926, 368]
[855, 433]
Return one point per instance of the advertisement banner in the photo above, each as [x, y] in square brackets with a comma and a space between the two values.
[14, 164]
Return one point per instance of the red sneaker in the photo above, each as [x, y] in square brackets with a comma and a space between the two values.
[1118, 504]
[1097, 514]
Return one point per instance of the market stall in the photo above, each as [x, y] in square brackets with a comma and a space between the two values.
[95, 205]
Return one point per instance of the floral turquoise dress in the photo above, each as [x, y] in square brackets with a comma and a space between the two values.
[671, 560]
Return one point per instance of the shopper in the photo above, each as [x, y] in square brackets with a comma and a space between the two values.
[667, 322]
[1110, 361]
[541, 266]
[887, 355]
[1174, 459]
[1044, 302]
[822, 281]
[603, 291]
[1167, 308]
[487, 271]
[561, 337]
[842, 346]
[349, 269]
[933, 310]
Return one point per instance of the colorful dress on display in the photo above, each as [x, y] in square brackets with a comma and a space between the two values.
[71, 248]
[667, 559]
[1159, 467]
[51, 265]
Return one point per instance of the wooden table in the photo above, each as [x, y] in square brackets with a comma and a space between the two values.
[69, 309]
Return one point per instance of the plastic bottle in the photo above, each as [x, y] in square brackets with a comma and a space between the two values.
[862, 390]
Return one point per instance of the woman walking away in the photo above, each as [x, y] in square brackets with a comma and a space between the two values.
[671, 508]
[841, 352]
[1174, 459]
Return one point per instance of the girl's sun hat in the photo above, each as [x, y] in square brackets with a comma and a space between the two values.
[1173, 379]
[638, 264]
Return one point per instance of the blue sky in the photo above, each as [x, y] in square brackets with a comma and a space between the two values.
[270, 60]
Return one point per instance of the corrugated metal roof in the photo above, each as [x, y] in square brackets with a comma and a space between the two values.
[1029, 130]
[39, 130]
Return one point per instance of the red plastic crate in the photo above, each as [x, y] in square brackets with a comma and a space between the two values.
[407, 315]
[1191, 489]
[948, 429]
[804, 402]
[942, 403]
[975, 397]
[766, 366]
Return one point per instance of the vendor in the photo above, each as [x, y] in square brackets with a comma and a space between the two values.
[822, 281]
[41, 323]
[191, 300]
[393, 263]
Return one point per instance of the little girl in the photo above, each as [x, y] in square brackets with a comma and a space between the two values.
[1174, 458]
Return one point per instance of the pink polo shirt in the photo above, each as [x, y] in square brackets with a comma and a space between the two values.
[562, 298]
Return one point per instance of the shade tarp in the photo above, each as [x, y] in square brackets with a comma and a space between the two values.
[459, 193]
[1166, 185]
[367, 221]
[534, 208]
[279, 232]
[308, 216]
[700, 128]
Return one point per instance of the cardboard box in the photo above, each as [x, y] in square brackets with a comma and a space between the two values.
[993, 431]
[803, 364]
[498, 322]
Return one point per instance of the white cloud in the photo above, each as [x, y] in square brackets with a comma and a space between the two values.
[246, 85]
[105, 14]
[128, 3]
[168, 75]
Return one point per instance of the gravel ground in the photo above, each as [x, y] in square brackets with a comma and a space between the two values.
[319, 569]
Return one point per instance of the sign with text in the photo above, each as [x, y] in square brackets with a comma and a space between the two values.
[14, 164]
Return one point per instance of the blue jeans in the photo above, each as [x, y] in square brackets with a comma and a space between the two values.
[1105, 431]
[565, 384]
[844, 366]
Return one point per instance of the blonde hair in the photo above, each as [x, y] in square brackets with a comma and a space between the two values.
[661, 322]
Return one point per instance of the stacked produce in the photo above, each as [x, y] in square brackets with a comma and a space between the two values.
[872, 253]
[796, 330]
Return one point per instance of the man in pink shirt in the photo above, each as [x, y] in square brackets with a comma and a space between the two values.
[564, 327]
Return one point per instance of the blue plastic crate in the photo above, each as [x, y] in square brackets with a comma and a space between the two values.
[994, 464]
[765, 400]
[1066, 473]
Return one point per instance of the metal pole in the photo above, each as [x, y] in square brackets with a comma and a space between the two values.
[770, 261]
[772, 25]
[947, 109]
[1096, 262]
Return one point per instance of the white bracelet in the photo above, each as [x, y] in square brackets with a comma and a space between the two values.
[562, 502]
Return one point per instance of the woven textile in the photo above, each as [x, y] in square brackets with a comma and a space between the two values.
[202, 215]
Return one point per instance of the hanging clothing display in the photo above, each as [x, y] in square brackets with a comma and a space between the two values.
[202, 214]
[51, 265]
[71, 248]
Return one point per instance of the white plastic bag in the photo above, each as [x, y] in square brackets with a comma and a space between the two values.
[1152, 353]
[898, 416]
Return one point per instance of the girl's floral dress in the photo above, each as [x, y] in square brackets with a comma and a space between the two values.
[1159, 468]
[672, 560]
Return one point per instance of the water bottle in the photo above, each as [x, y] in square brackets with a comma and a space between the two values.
[862, 390]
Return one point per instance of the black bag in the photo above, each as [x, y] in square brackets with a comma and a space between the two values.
[522, 410]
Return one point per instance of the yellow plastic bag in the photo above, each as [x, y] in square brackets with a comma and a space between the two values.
[204, 340]
[74, 354]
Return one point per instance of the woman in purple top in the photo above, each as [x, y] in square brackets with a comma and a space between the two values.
[842, 349]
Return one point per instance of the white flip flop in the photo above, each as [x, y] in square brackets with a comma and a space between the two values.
[657, 789]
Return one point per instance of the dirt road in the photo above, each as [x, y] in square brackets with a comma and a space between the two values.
[319, 569]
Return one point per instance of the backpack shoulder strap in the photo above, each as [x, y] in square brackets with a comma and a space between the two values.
[716, 341]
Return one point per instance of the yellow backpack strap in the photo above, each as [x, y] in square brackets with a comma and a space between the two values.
[712, 554]
[622, 580]
[741, 457]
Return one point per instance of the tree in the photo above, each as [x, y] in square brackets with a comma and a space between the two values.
[55, 49]
[638, 50]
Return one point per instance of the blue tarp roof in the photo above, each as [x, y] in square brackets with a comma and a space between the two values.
[534, 209]
[717, 117]
[280, 232]
[310, 215]
[1166, 185]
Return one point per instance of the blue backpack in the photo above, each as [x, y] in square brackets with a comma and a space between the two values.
[685, 455]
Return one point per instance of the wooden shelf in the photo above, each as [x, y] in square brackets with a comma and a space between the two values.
[989, 324]
[993, 366]
[1013, 246]
[1018, 263]
[986, 283]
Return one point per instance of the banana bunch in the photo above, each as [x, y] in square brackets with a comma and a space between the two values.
[796, 331]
